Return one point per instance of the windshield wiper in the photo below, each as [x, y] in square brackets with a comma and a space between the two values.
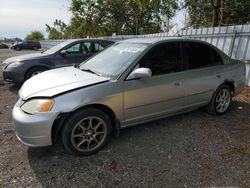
[89, 70]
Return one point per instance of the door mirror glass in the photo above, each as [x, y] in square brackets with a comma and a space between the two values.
[140, 73]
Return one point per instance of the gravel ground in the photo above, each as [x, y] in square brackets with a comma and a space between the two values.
[189, 150]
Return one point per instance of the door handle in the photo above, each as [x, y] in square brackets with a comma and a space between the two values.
[177, 83]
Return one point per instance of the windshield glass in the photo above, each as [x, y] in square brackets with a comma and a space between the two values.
[57, 47]
[114, 59]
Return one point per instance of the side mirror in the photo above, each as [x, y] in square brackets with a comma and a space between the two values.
[63, 52]
[140, 73]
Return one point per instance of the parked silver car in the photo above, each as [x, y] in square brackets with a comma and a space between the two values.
[131, 82]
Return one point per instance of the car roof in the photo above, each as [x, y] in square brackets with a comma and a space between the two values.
[152, 40]
[88, 39]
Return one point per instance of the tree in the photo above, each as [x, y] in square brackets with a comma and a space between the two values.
[217, 12]
[57, 31]
[35, 35]
[98, 18]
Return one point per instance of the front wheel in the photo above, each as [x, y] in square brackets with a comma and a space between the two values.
[220, 101]
[86, 132]
[34, 71]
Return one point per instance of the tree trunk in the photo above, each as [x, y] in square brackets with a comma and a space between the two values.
[221, 12]
[216, 12]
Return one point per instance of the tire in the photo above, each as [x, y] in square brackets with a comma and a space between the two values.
[81, 137]
[34, 71]
[35, 48]
[18, 48]
[219, 104]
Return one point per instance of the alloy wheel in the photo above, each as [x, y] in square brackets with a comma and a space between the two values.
[88, 133]
[223, 100]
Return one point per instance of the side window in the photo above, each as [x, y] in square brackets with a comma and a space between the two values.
[79, 48]
[197, 55]
[216, 57]
[98, 47]
[74, 49]
[85, 47]
[163, 59]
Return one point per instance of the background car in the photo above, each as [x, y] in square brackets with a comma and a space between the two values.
[3, 46]
[26, 45]
[71, 52]
[129, 83]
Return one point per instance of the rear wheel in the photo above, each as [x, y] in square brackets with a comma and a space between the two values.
[220, 101]
[18, 48]
[86, 132]
[34, 71]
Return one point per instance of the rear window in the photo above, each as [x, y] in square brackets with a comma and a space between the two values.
[106, 43]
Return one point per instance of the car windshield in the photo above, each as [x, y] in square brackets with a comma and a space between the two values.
[114, 60]
[57, 47]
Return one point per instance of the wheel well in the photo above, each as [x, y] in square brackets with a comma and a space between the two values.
[58, 124]
[25, 76]
[230, 84]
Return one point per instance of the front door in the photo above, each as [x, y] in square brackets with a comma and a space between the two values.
[159, 95]
[78, 53]
[74, 54]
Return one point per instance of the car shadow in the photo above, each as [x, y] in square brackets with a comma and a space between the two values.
[14, 88]
[193, 149]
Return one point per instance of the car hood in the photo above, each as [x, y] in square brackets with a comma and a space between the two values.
[54, 82]
[24, 57]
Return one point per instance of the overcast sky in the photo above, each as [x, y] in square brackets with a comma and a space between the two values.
[20, 17]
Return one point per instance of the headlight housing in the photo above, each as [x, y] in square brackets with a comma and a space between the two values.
[16, 64]
[35, 106]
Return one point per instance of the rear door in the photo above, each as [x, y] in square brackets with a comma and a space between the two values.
[30, 45]
[160, 94]
[24, 45]
[202, 75]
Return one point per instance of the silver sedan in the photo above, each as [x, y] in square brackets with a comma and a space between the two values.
[132, 82]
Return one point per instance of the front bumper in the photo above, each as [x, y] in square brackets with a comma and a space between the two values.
[33, 130]
[12, 75]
